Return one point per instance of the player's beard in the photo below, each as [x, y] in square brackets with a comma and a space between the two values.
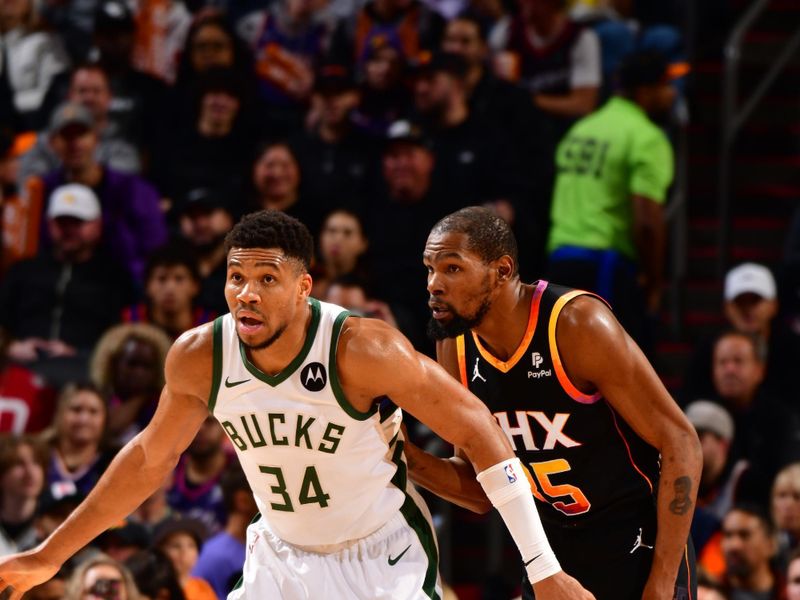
[458, 324]
[266, 343]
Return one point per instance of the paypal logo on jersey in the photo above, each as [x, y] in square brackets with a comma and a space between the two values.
[314, 377]
[537, 360]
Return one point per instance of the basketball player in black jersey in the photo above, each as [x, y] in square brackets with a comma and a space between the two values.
[613, 462]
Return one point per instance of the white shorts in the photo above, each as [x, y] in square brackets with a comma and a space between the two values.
[397, 562]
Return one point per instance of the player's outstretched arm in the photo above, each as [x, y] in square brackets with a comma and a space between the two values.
[373, 359]
[137, 471]
[597, 353]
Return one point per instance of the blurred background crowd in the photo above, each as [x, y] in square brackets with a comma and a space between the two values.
[133, 135]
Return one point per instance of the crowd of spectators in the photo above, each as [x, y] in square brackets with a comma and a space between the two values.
[134, 134]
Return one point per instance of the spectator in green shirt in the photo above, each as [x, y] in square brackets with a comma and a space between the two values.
[615, 167]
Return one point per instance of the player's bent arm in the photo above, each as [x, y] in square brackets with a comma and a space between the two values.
[598, 353]
[374, 359]
[450, 478]
[136, 472]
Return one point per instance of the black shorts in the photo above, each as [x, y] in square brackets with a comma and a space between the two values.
[612, 559]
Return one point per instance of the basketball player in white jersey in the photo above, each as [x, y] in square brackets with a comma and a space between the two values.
[302, 390]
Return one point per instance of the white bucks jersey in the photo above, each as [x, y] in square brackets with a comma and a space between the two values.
[321, 471]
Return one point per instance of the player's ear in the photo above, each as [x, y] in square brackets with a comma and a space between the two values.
[305, 285]
[505, 268]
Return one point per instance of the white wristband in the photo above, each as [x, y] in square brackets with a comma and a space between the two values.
[507, 487]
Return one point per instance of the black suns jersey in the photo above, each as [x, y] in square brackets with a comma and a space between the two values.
[585, 461]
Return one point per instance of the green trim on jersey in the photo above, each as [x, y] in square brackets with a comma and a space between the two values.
[336, 385]
[274, 380]
[216, 370]
[417, 521]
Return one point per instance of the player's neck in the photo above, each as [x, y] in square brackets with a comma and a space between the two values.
[282, 352]
[504, 326]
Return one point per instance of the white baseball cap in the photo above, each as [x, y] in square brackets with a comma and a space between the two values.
[750, 277]
[710, 416]
[74, 200]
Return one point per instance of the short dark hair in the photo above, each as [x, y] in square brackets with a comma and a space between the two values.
[153, 573]
[757, 511]
[487, 234]
[273, 229]
[172, 255]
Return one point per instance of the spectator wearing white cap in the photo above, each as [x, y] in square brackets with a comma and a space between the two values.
[55, 306]
[750, 304]
[751, 298]
[133, 222]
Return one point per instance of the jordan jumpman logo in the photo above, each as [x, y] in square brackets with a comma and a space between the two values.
[475, 373]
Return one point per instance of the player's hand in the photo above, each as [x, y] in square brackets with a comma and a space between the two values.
[561, 587]
[24, 571]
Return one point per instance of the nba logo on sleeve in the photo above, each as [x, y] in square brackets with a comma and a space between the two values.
[512, 477]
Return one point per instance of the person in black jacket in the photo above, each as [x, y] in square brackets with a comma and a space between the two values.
[57, 305]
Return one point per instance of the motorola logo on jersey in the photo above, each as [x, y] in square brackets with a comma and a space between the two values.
[314, 377]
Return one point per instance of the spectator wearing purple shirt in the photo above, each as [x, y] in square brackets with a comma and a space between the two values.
[222, 556]
[195, 491]
[133, 223]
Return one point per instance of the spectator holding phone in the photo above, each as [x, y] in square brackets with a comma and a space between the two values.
[101, 578]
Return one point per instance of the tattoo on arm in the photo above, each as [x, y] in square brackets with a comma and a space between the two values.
[681, 503]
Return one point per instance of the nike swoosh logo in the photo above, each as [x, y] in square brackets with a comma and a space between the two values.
[533, 559]
[393, 561]
[230, 384]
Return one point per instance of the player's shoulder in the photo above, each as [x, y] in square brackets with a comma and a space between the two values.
[196, 341]
[190, 360]
[372, 336]
[583, 314]
[371, 343]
